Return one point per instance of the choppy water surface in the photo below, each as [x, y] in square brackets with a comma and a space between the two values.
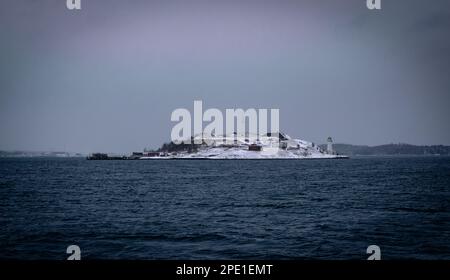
[230, 209]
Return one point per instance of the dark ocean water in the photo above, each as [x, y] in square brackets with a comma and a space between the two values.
[281, 209]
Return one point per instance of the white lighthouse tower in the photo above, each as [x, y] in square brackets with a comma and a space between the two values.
[330, 146]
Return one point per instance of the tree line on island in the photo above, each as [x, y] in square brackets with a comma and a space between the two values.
[389, 149]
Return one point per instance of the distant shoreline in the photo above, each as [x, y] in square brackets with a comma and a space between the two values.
[222, 159]
[390, 149]
[344, 149]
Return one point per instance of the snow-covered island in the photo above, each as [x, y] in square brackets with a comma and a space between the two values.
[232, 146]
[269, 146]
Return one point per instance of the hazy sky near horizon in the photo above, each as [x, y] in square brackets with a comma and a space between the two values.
[107, 78]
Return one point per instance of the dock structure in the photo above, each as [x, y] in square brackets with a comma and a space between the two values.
[103, 156]
[133, 156]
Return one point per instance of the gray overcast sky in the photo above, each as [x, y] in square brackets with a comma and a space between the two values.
[107, 78]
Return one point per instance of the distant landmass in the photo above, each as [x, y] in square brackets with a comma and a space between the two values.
[390, 149]
[341, 149]
[38, 154]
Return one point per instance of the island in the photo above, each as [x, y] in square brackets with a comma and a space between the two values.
[232, 146]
